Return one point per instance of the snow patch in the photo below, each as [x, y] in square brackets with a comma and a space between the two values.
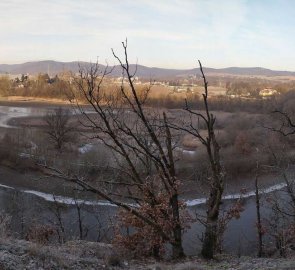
[85, 148]
[188, 152]
[249, 194]
[4, 186]
[71, 201]
[66, 200]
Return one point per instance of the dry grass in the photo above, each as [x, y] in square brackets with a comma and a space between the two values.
[34, 99]
[190, 142]
[5, 220]
[162, 91]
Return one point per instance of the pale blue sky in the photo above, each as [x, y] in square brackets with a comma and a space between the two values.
[161, 33]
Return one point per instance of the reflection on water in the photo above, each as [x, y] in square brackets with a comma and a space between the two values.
[8, 112]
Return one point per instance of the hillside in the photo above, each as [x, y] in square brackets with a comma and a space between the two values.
[54, 67]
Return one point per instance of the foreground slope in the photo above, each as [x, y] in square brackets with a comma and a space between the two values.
[20, 254]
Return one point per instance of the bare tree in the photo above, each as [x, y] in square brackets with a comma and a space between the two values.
[281, 225]
[286, 125]
[142, 145]
[283, 160]
[216, 180]
[5, 224]
[57, 222]
[285, 203]
[259, 226]
[58, 127]
[83, 230]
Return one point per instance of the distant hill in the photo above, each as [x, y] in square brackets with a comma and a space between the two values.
[258, 71]
[54, 67]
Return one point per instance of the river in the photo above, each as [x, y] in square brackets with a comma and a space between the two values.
[29, 206]
[8, 112]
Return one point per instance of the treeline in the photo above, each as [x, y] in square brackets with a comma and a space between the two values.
[252, 86]
[41, 86]
[220, 103]
[61, 87]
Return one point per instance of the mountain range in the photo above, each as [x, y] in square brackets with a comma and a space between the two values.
[55, 67]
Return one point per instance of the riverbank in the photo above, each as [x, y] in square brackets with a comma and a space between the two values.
[19, 254]
[31, 101]
[28, 186]
[36, 181]
[191, 189]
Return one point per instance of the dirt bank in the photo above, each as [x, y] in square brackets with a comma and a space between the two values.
[31, 101]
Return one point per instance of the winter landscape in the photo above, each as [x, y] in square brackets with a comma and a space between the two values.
[124, 151]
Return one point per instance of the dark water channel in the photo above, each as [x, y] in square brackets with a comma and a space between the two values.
[28, 209]
[98, 221]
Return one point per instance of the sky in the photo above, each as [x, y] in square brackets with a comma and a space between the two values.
[160, 33]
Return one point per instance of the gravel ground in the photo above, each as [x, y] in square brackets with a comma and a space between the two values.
[20, 254]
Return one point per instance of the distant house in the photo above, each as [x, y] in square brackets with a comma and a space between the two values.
[268, 92]
[246, 94]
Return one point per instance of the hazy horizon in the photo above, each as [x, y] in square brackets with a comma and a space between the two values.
[175, 68]
[165, 34]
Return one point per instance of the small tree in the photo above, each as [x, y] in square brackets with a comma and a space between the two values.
[217, 177]
[58, 127]
[260, 228]
[5, 86]
[281, 225]
[216, 181]
[142, 145]
[287, 124]
[282, 160]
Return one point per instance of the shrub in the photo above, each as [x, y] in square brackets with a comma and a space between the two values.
[5, 220]
[40, 233]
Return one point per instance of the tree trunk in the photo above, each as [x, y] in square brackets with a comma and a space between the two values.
[259, 224]
[177, 249]
[156, 252]
[209, 244]
[211, 228]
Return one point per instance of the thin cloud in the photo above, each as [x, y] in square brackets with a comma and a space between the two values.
[161, 33]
